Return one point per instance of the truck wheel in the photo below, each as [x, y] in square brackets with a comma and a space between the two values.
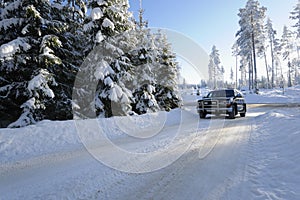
[232, 114]
[202, 114]
[244, 113]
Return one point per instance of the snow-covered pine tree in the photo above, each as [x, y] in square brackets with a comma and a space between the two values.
[108, 26]
[295, 15]
[231, 74]
[274, 49]
[245, 47]
[271, 33]
[26, 53]
[244, 62]
[277, 62]
[261, 46]
[214, 67]
[221, 77]
[250, 36]
[287, 47]
[235, 53]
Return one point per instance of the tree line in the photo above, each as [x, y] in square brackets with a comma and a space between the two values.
[43, 46]
[257, 40]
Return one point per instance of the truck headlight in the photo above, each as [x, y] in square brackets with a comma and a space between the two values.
[229, 102]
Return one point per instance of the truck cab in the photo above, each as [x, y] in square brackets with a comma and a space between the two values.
[226, 101]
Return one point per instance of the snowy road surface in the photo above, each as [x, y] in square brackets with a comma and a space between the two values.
[227, 159]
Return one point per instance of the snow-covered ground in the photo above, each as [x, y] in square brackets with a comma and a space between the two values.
[165, 156]
[266, 96]
[286, 96]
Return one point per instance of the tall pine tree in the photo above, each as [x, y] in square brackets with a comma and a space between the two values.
[287, 47]
[214, 68]
[251, 33]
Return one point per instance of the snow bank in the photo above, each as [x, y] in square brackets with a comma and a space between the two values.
[275, 156]
[43, 138]
[289, 95]
[49, 137]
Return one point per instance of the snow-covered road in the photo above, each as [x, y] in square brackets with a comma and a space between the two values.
[204, 172]
[223, 161]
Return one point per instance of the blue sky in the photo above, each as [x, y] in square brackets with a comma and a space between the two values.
[209, 22]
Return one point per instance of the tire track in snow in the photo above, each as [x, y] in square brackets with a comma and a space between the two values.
[208, 178]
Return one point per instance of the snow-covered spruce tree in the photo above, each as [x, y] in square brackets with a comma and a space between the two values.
[166, 74]
[8, 111]
[26, 53]
[108, 26]
[250, 35]
[115, 97]
[107, 18]
[67, 19]
[156, 73]
[143, 58]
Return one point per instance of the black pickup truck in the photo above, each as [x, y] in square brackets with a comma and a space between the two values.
[227, 101]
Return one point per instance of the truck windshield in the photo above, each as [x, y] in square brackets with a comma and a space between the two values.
[222, 93]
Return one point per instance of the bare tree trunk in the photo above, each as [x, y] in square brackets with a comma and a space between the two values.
[254, 64]
[245, 76]
[276, 79]
[272, 60]
[297, 67]
[266, 63]
[251, 77]
[289, 75]
[250, 74]
[236, 72]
